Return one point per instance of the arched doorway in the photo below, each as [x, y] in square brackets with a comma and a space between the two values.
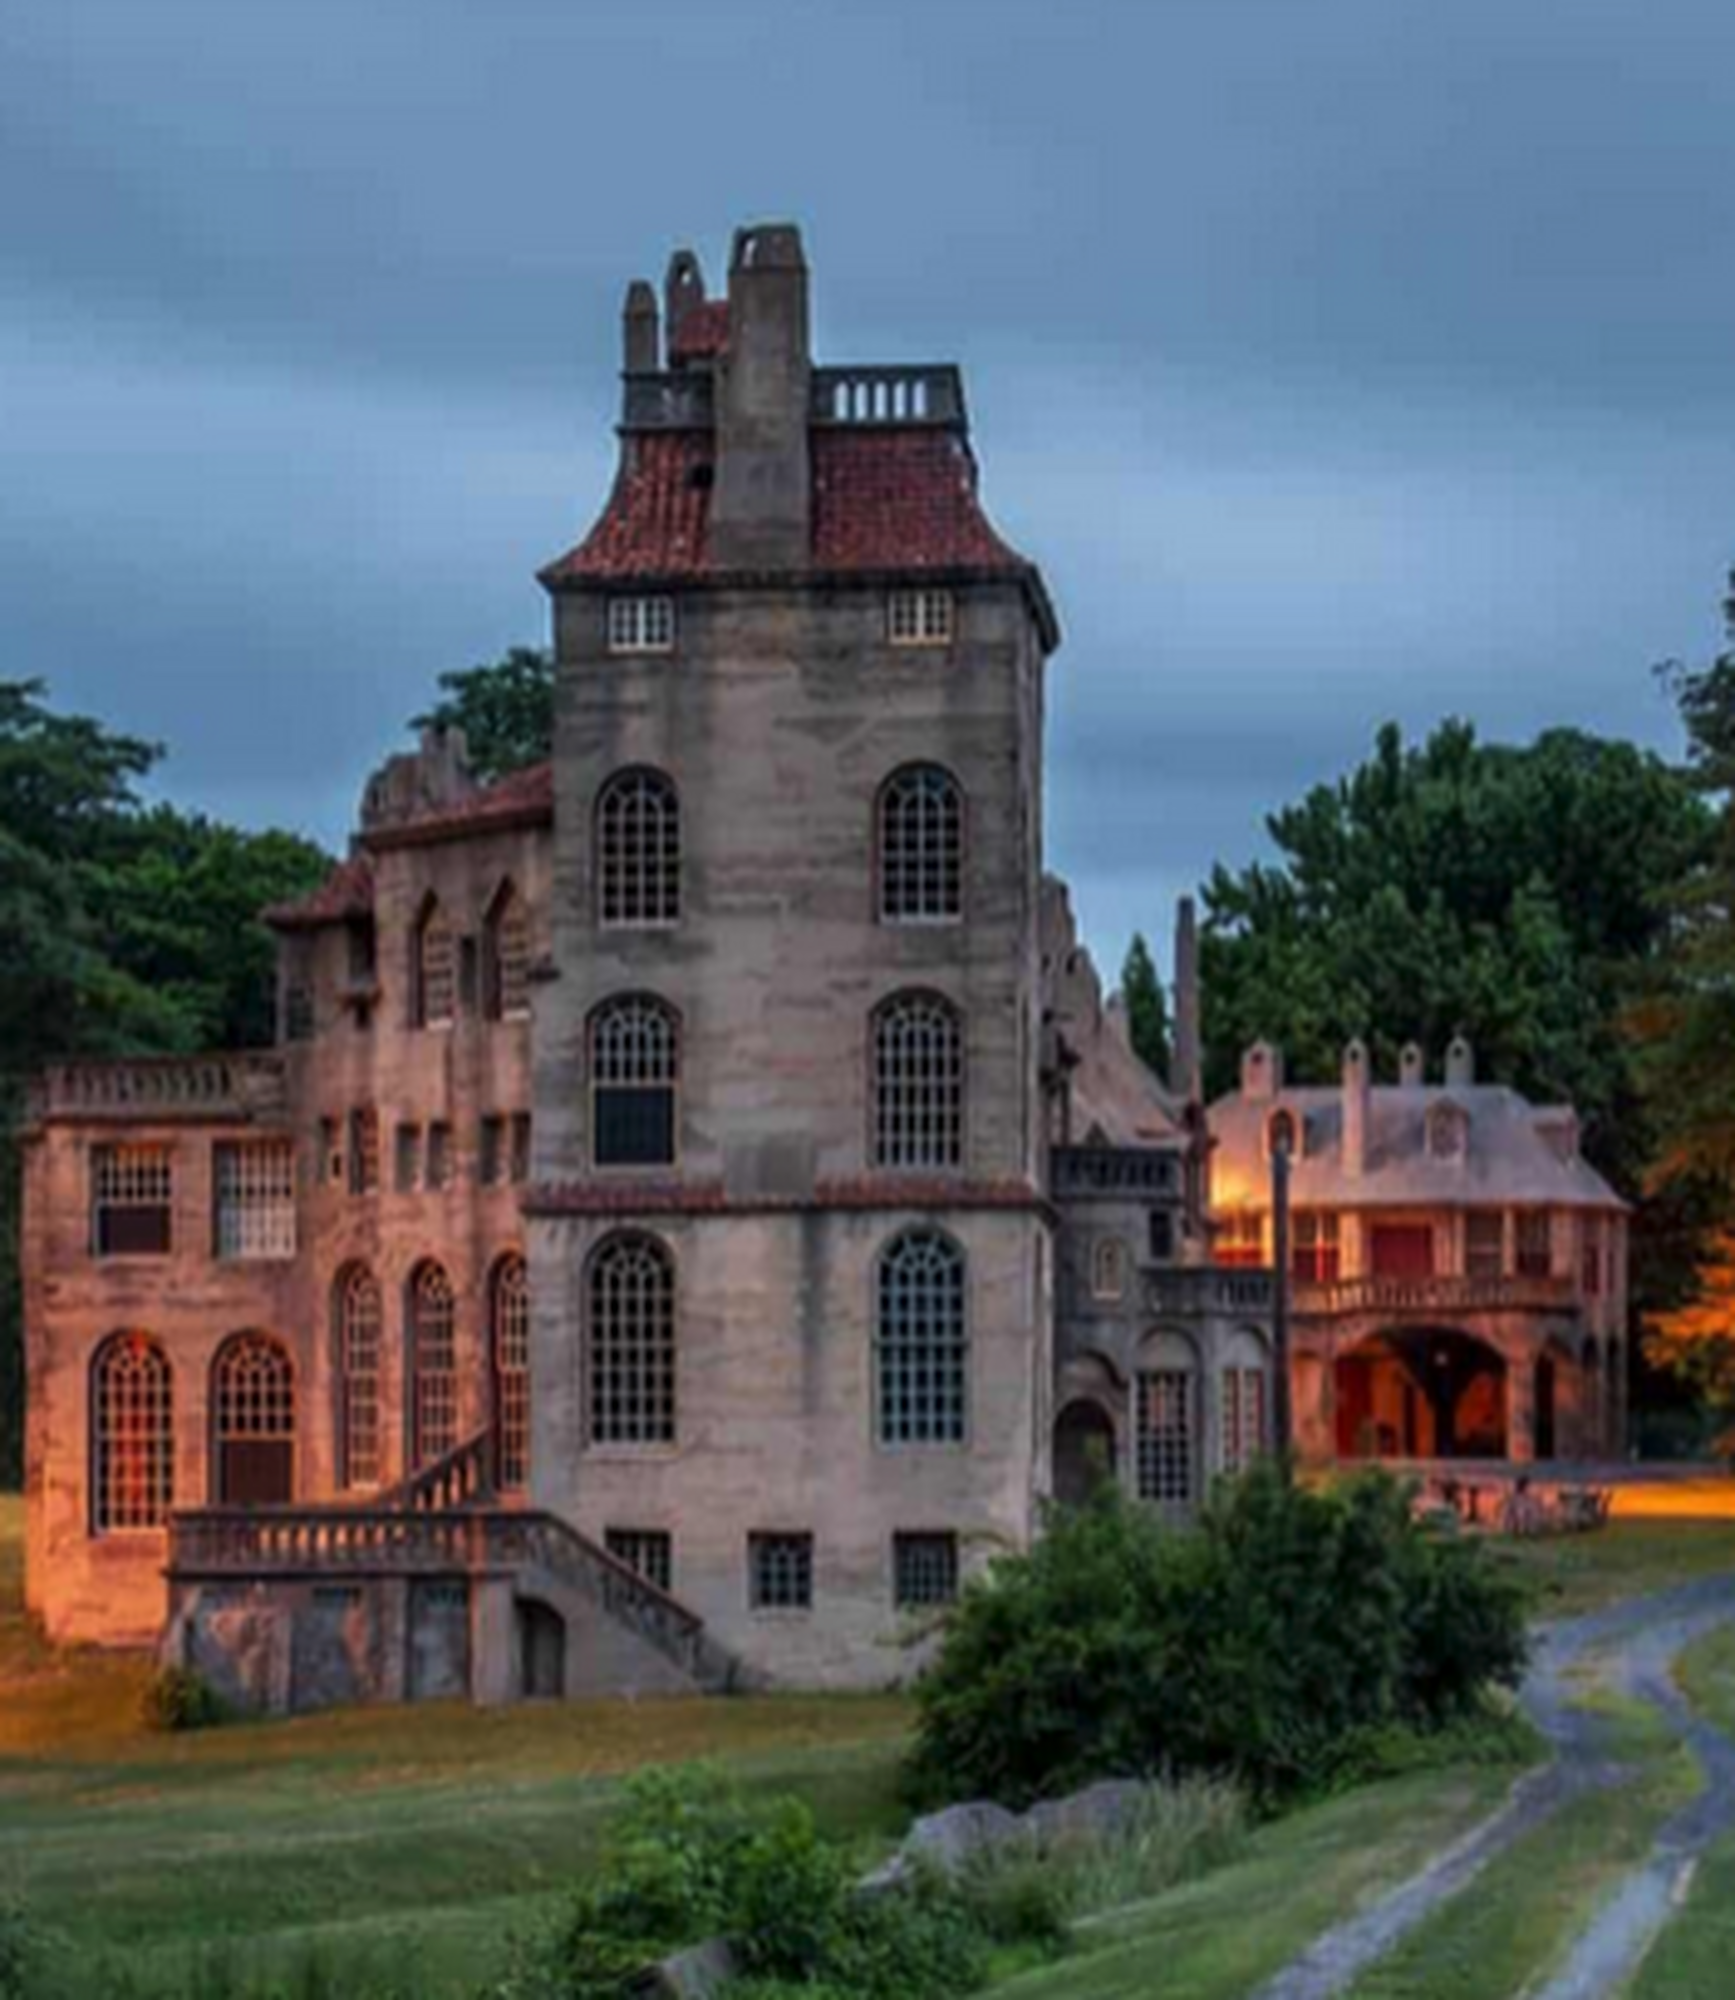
[541, 1650]
[1422, 1392]
[1084, 1451]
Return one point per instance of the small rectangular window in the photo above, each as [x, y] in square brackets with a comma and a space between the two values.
[924, 1570]
[1315, 1256]
[1162, 1235]
[364, 1151]
[331, 1167]
[1535, 1243]
[298, 1011]
[520, 1146]
[407, 1159]
[491, 1163]
[255, 1192]
[650, 1552]
[920, 618]
[641, 624]
[132, 1198]
[439, 1155]
[1485, 1244]
[780, 1572]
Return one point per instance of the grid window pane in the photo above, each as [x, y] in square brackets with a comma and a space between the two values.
[1243, 1417]
[650, 1552]
[133, 1446]
[632, 1343]
[918, 1086]
[921, 1343]
[1485, 1244]
[364, 1150]
[433, 1365]
[256, 1199]
[436, 969]
[1165, 1437]
[253, 1405]
[634, 1067]
[638, 850]
[924, 1570]
[507, 946]
[132, 1198]
[1535, 1243]
[509, 1309]
[920, 617]
[1314, 1255]
[641, 624]
[359, 1324]
[780, 1572]
[921, 847]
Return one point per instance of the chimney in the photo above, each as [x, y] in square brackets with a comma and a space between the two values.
[761, 506]
[640, 352]
[1357, 1094]
[1460, 1064]
[1412, 1066]
[1186, 1082]
[683, 289]
[1261, 1073]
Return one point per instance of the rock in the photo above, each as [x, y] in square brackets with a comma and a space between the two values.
[701, 1972]
[1097, 1813]
[950, 1839]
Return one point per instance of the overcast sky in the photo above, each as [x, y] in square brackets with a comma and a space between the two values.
[1338, 359]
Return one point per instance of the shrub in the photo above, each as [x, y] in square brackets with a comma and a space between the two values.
[19, 1951]
[1255, 1644]
[177, 1698]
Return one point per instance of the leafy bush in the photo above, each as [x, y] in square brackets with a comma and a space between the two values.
[177, 1698]
[1256, 1644]
[19, 1951]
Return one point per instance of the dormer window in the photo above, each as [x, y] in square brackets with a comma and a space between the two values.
[1448, 1132]
[920, 618]
[1280, 1134]
[641, 624]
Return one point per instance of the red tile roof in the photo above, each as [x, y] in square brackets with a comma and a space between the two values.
[522, 798]
[703, 334]
[883, 499]
[348, 891]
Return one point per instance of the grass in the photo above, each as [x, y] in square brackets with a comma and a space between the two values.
[1569, 1574]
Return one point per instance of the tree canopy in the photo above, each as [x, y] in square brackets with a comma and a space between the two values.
[1147, 1008]
[505, 709]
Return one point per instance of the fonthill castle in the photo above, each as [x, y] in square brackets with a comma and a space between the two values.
[699, 1206]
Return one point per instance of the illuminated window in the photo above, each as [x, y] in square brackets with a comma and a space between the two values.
[509, 1339]
[253, 1413]
[918, 1083]
[1240, 1239]
[506, 957]
[433, 1365]
[1315, 1256]
[632, 1343]
[359, 1326]
[638, 850]
[255, 1194]
[133, 1441]
[435, 970]
[921, 846]
[780, 1572]
[634, 1067]
[921, 1345]
[920, 618]
[132, 1196]
[641, 624]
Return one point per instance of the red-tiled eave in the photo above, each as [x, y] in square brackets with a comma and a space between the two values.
[348, 891]
[524, 798]
[866, 1191]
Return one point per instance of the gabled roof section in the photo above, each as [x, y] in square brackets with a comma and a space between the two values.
[346, 893]
[522, 799]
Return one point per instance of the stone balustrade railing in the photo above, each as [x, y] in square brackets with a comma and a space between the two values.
[1115, 1171]
[1208, 1288]
[1435, 1295]
[234, 1086]
[463, 1477]
[930, 394]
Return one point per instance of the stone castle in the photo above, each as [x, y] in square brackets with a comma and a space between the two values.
[699, 1207]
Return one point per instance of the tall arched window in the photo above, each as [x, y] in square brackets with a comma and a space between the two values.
[920, 1340]
[433, 1365]
[918, 1082]
[632, 1343]
[434, 968]
[132, 1474]
[509, 1347]
[506, 956]
[358, 1330]
[921, 846]
[634, 1068]
[1166, 1424]
[253, 1422]
[1245, 1387]
[638, 849]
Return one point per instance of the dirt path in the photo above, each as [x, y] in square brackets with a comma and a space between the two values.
[1635, 1644]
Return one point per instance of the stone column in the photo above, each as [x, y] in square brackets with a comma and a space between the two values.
[493, 1642]
[1521, 1410]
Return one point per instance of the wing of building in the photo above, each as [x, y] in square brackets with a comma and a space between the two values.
[699, 1205]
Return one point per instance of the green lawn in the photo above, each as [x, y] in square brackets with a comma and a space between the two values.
[1574, 1573]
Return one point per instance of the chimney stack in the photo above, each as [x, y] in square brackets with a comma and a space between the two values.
[1261, 1073]
[640, 349]
[1412, 1066]
[1460, 1064]
[1186, 1081]
[1357, 1098]
[683, 289]
[761, 507]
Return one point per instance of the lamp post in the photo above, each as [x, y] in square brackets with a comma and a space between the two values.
[1282, 1412]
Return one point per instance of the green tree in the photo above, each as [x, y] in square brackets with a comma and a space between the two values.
[505, 709]
[1147, 1009]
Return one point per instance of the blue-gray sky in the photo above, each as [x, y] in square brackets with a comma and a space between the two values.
[1339, 359]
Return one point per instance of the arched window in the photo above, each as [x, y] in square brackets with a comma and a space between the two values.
[434, 968]
[638, 850]
[506, 956]
[1166, 1424]
[433, 1365]
[918, 1082]
[634, 1067]
[1108, 1268]
[132, 1435]
[921, 846]
[509, 1346]
[1246, 1394]
[358, 1328]
[253, 1422]
[921, 1343]
[632, 1343]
